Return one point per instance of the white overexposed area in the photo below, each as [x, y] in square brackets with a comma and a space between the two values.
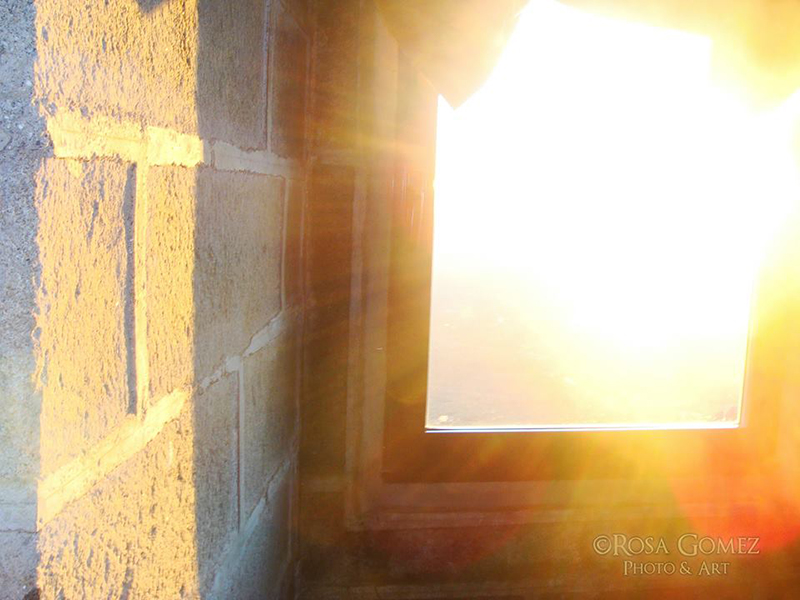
[601, 211]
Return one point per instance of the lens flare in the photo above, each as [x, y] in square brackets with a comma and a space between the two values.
[602, 212]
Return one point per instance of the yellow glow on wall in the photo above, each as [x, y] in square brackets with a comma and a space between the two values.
[602, 209]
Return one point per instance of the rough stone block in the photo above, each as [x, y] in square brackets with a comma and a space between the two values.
[269, 416]
[216, 481]
[17, 506]
[135, 534]
[293, 244]
[231, 86]
[213, 269]
[85, 303]
[22, 147]
[237, 278]
[336, 77]
[278, 541]
[131, 59]
[17, 564]
[288, 83]
[194, 66]
[262, 571]
[20, 406]
[169, 278]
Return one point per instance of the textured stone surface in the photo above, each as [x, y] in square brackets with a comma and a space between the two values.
[135, 534]
[17, 564]
[23, 144]
[134, 60]
[215, 279]
[22, 147]
[162, 523]
[215, 462]
[262, 570]
[269, 413]
[84, 322]
[239, 233]
[288, 76]
[336, 91]
[293, 244]
[17, 505]
[231, 86]
[169, 276]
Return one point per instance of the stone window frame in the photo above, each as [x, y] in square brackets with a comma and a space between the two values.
[403, 495]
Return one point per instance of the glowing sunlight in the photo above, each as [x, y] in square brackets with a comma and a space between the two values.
[602, 209]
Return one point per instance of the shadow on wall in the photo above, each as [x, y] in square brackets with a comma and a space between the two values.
[251, 57]
[23, 146]
[147, 6]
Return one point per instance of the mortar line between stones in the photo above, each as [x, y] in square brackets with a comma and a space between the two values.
[142, 362]
[130, 219]
[239, 449]
[80, 475]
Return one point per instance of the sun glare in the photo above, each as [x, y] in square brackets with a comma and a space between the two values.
[602, 209]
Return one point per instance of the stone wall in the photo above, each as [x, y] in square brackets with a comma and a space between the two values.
[23, 146]
[153, 192]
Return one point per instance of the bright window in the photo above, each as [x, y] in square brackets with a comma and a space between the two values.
[601, 212]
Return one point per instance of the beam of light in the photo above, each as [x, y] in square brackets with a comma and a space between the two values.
[602, 212]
